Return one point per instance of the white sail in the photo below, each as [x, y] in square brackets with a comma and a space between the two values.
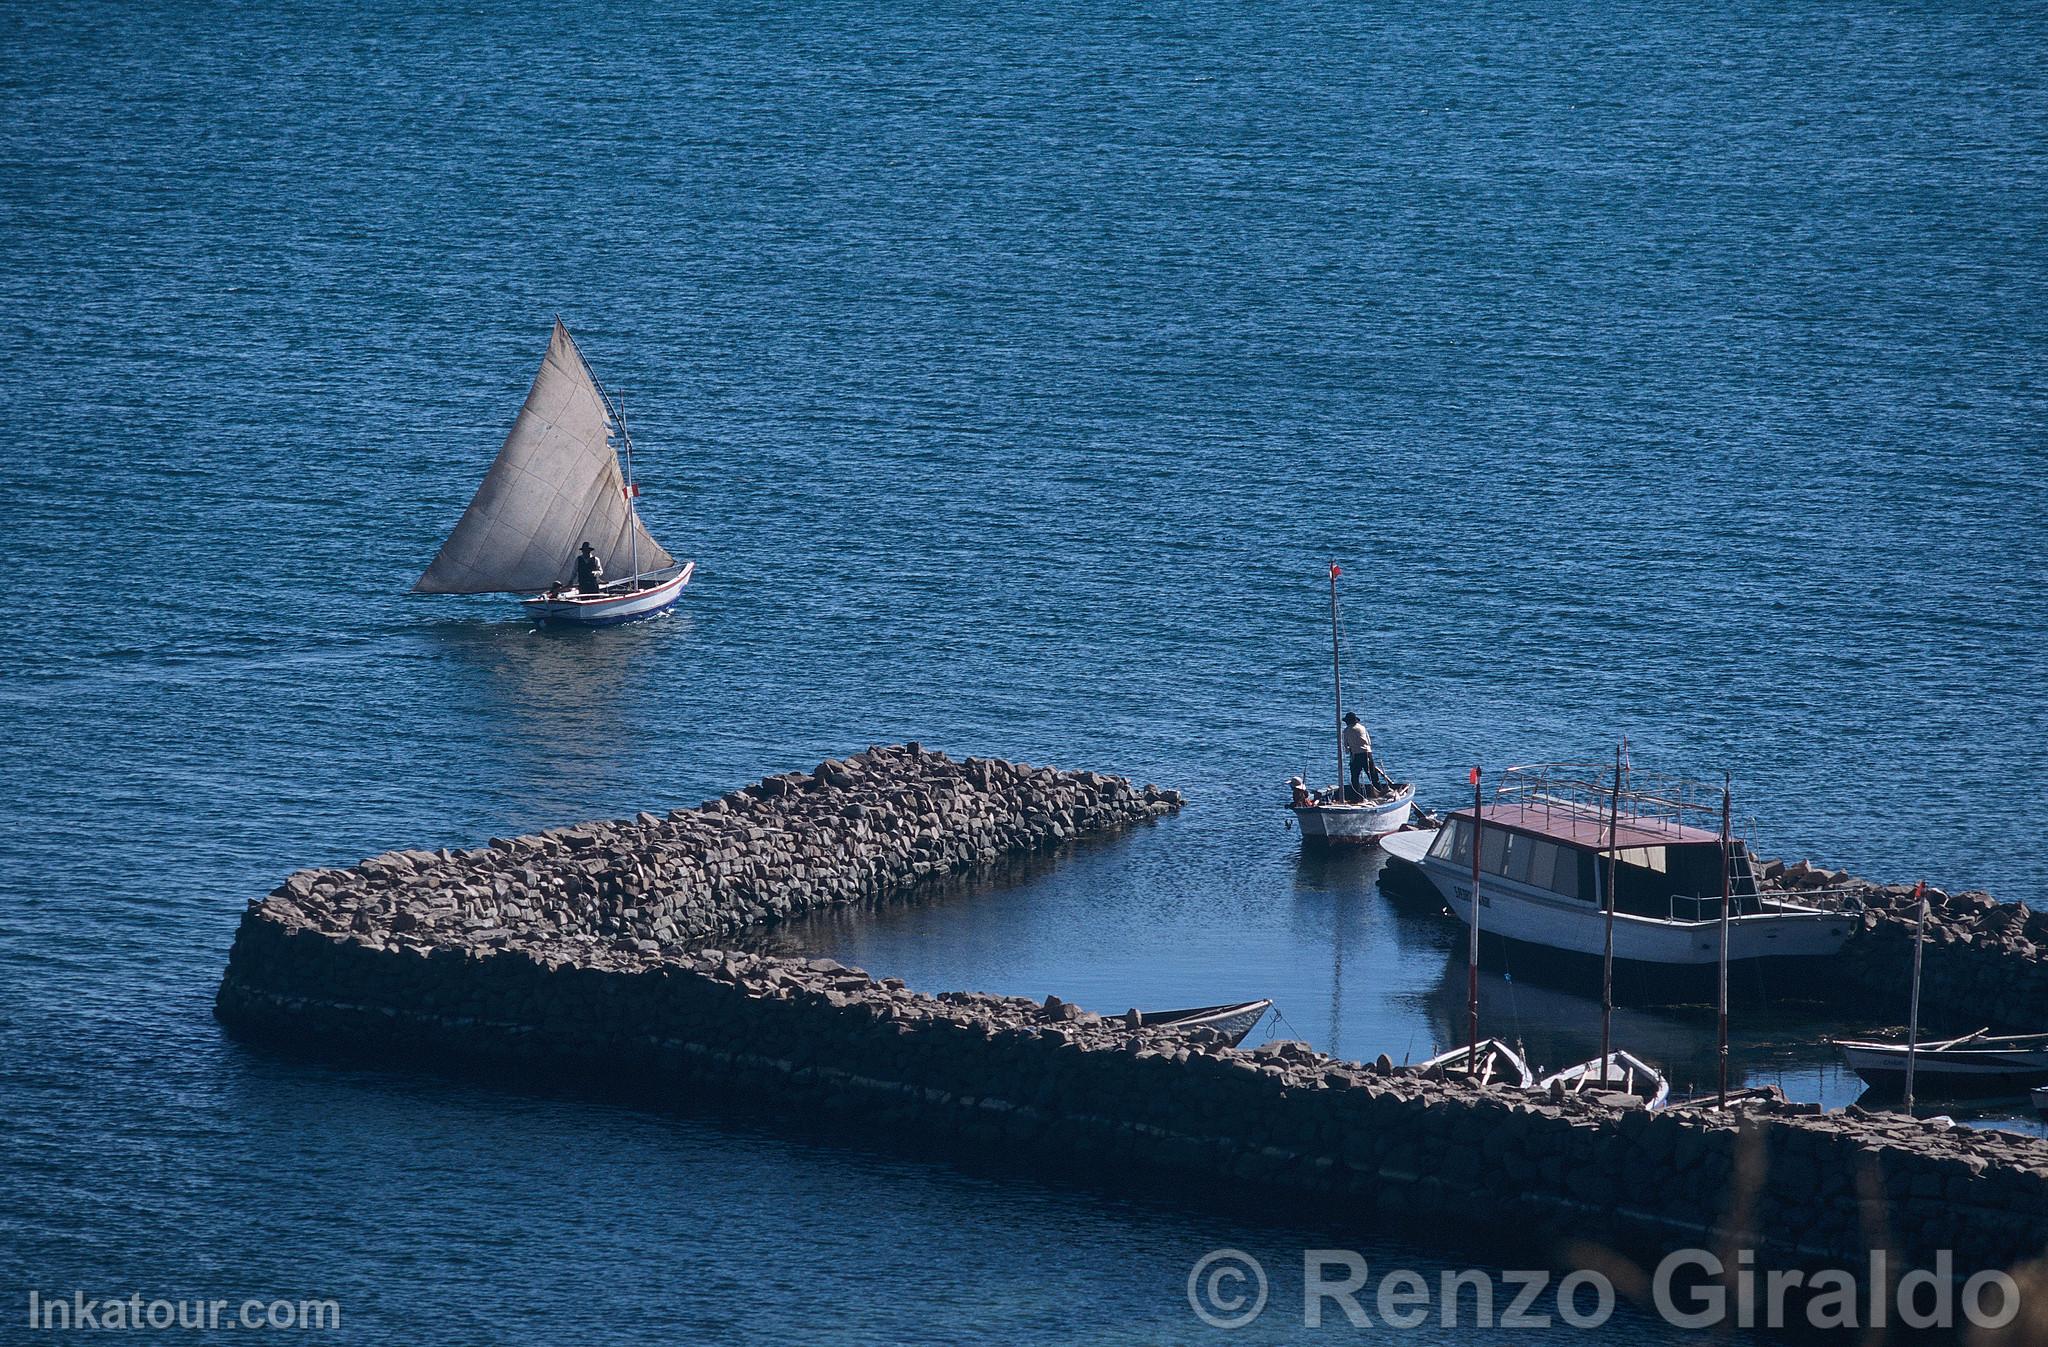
[555, 485]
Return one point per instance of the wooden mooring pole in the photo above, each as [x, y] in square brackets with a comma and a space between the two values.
[1913, 1013]
[1472, 953]
[1721, 998]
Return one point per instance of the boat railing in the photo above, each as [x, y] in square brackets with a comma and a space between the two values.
[1647, 800]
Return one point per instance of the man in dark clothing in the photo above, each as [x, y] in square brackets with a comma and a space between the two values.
[589, 571]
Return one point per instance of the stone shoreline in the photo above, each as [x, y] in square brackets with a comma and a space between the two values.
[1984, 961]
[586, 951]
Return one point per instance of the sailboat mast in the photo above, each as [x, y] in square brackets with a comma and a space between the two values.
[632, 493]
[1337, 677]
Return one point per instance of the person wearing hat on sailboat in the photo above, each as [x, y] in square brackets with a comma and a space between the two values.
[1358, 744]
[589, 571]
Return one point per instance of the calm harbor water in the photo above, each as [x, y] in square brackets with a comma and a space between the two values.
[1011, 377]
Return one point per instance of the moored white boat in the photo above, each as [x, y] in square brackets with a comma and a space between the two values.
[1618, 1073]
[1234, 1022]
[1352, 816]
[556, 486]
[2040, 1098]
[1970, 1064]
[1498, 1064]
[1545, 854]
[1339, 822]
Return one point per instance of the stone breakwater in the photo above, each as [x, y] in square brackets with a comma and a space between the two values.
[585, 952]
[1984, 961]
[863, 828]
[1282, 1126]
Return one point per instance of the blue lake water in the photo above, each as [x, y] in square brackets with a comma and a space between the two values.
[1011, 377]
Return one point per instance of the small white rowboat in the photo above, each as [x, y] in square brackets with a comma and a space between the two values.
[1617, 1073]
[1499, 1064]
[1234, 1022]
[1971, 1064]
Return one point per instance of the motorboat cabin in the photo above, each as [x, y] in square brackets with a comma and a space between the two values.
[1543, 869]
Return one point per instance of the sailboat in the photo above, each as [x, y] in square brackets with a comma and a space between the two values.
[555, 485]
[1341, 816]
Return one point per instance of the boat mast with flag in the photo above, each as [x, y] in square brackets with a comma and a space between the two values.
[1341, 816]
[555, 485]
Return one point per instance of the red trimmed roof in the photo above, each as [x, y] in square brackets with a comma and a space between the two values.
[1585, 828]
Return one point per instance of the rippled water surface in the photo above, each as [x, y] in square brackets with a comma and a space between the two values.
[1659, 372]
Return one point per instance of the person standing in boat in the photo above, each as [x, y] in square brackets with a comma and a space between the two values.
[1358, 745]
[589, 571]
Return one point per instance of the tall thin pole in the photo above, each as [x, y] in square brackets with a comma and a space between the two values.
[632, 496]
[1721, 1046]
[1337, 677]
[1913, 1015]
[1472, 954]
[1607, 960]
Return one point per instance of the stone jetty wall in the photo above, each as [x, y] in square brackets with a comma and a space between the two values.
[583, 951]
[1281, 1126]
[863, 828]
[1985, 963]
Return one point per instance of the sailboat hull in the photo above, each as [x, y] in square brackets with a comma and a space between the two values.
[610, 609]
[1354, 825]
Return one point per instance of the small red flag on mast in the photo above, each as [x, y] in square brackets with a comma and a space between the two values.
[1474, 778]
[1335, 570]
[630, 492]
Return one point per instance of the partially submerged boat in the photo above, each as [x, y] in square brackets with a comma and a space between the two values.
[1618, 1073]
[1234, 1022]
[1552, 836]
[1344, 815]
[1495, 1064]
[1735, 1101]
[1971, 1064]
[555, 485]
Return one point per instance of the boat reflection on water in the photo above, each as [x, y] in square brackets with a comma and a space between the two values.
[561, 711]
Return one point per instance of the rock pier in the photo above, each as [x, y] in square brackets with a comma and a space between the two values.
[1984, 962]
[868, 827]
[593, 952]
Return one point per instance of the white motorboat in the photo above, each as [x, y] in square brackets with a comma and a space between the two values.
[2040, 1098]
[556, 485]
[1617, 1073]
[1550, 839]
